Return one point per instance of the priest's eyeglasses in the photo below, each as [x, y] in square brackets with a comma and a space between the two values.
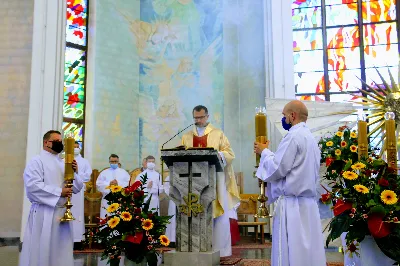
[199, 117]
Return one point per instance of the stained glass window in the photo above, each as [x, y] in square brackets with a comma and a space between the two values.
[75, 69]
[338, 42]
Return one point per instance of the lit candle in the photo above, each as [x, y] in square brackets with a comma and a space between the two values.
[261, 128]
[391, 139]
[362, 137]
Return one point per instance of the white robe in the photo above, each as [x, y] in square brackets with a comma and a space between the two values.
[170, 232]
[155, 190]
[47, 241]
[104, 180]
[78, 225]
[292, 174]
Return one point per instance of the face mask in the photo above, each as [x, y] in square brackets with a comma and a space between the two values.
[77, 151]
[151, 166]
[113, 165]
[285, 125]
[57, 146]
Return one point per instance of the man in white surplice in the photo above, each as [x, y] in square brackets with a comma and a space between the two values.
[48, 241]
[78, 199]
[292, 175]
[112, 176]
[154, 185]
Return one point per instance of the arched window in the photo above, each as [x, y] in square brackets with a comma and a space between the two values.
[75, 69]
[335, 42]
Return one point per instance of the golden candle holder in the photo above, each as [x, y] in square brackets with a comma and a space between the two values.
[362, 137]
[391, 141]
[68, 175]
[261, 137]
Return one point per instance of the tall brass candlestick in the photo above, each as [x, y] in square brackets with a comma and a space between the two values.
[68, 175]
[362, 137]
[261, 137]
[391, 141]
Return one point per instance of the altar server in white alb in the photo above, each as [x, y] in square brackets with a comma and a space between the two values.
[48, 241]
[78, 199]
[154, 185]
[112, 176]
[292, 175]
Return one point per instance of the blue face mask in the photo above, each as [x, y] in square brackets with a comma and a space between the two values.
[114, 165]
[285, 125]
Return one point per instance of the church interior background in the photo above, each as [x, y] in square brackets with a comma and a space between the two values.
[124, 75]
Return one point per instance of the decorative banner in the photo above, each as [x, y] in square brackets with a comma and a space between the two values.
[191, 205]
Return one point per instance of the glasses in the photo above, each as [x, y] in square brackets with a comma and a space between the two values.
[199, 117]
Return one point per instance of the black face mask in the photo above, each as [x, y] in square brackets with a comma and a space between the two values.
[58, 146]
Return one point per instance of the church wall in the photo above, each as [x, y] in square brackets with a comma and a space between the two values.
[15, 73]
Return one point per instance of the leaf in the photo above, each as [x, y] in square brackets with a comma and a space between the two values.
[338, 225]
[371, 203]
[378, 209]
[347, 166]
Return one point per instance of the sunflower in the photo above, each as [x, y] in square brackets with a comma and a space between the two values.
[126, 216]
[164, 240]
[329, 144]
[389, 197]
[339, 134]
[353, 148]
[361, 189]
[343, 143]
[350, 175]
[113, 207]
[115, 189]
[338, 152]
[113, 222]
[147, 224]
[358, 166]
[353, 135]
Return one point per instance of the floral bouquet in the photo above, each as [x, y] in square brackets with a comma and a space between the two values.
[365, 196]
[131, 228]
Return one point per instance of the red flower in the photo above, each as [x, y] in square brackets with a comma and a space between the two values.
[353, 210]
[73, 98]
[368, 172]
[383, 182]
[377, 227]
[326, 198]
[341, 206]
[150, 215]
[138, 210]
[136, 239]
[102, 221]
[352, 247]
[135, 186]
[329, 161]
[395, 219]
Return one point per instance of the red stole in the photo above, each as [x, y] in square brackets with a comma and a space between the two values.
[199, 142]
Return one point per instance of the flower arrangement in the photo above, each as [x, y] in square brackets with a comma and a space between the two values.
[131, 228]
[364, 193]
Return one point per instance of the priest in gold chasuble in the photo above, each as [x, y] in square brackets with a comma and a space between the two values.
[227, 201]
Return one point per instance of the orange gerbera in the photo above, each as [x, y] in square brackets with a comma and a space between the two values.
[147, 224]
[338, 152]
[353, 148]
[339, 134]
[350, 175]
[164, 240]
[126, 216]
[343, 143]
[113, 222]
[353, 135]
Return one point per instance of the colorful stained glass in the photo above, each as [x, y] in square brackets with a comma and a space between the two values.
[75, 128]
[305, 3]
[76, 21]
[304, 18]
[317, 98]
[309, 82]
[308, 61]
[75, 61]
[372, 75]
[344, 80]
[339, 2]
[345, 97]
[376, 11]
[385, 33]
[381, 55]
[343, 37]
[73, 109]
[74, 92]
[343, 58]
[307, 40]
[341, 14]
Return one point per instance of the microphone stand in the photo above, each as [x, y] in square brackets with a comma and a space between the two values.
[162, 147]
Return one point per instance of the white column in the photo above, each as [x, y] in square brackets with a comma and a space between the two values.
[47, 77]
[279, 49]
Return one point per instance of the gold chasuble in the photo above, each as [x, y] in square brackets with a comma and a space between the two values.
[216, 139]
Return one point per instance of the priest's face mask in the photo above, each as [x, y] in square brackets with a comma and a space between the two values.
[200, 118]
[54, 143]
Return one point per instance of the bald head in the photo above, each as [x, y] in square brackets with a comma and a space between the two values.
[296, 112]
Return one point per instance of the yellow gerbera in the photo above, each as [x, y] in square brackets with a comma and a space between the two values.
[126, 216]
[353, 135]
[115, 189]
[361, 189]
[358, 166]
[353, 148]
[147, 224]
[164, 240]
[350, 175]
[113, 222]
[339, 134]
[113, 207]
[343, 143]
[389, 197]
[329, 143]
[338, 152]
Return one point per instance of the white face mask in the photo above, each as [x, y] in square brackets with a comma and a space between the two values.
[151, 166]
[77, 151]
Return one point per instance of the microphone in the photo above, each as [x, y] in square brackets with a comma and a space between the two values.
[179, 132]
